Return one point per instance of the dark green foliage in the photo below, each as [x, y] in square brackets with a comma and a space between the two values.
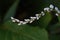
[10, 12]
[26, 32]
[43, 29]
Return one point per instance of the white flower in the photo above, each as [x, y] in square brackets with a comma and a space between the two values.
[33, 18]
[38, 16]
[58, 11]
[12, 18]
[19, 23]
[57, 14]
[31, 21]
[17, 20]
[13, 21]
[51, 6]
[56, 8]
[42, 13]
[27, 20]
[24, 23]
[46, 9]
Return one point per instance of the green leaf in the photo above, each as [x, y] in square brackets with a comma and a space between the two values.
[58, 18]
[44, 21]
[54, 37]
[24, 32]
[11, 11]
[55, 28]
[55, 32]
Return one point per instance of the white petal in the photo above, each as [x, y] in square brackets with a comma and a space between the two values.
[57, 14]
[12, 18]
[13, 21]
[51, 9]
[56, 8]
[17, 20]
[38, 16]
[58, 11]
[24, 23]
[42, 13]
[31, 21]
[33, 17]
[46, 9]
[19, 23]
[27, 20]
[51, 6]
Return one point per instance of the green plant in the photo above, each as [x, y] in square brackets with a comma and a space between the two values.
[38, 30]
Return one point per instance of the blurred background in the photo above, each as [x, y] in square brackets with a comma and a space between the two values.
[46, 28]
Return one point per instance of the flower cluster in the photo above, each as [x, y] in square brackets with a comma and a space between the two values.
[51, 8]
[37, 16]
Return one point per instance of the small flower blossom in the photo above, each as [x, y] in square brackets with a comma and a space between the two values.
[27, 20]
[13, 21]
[24, 23]
[31, 21]
[38, 16]
[57, 14]
[46, 9]
[17, 20]
[12, 18]
[42, 13]
[19, 23]
[58, 11]
[51, 6]
[56, 8]
[33, 18]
